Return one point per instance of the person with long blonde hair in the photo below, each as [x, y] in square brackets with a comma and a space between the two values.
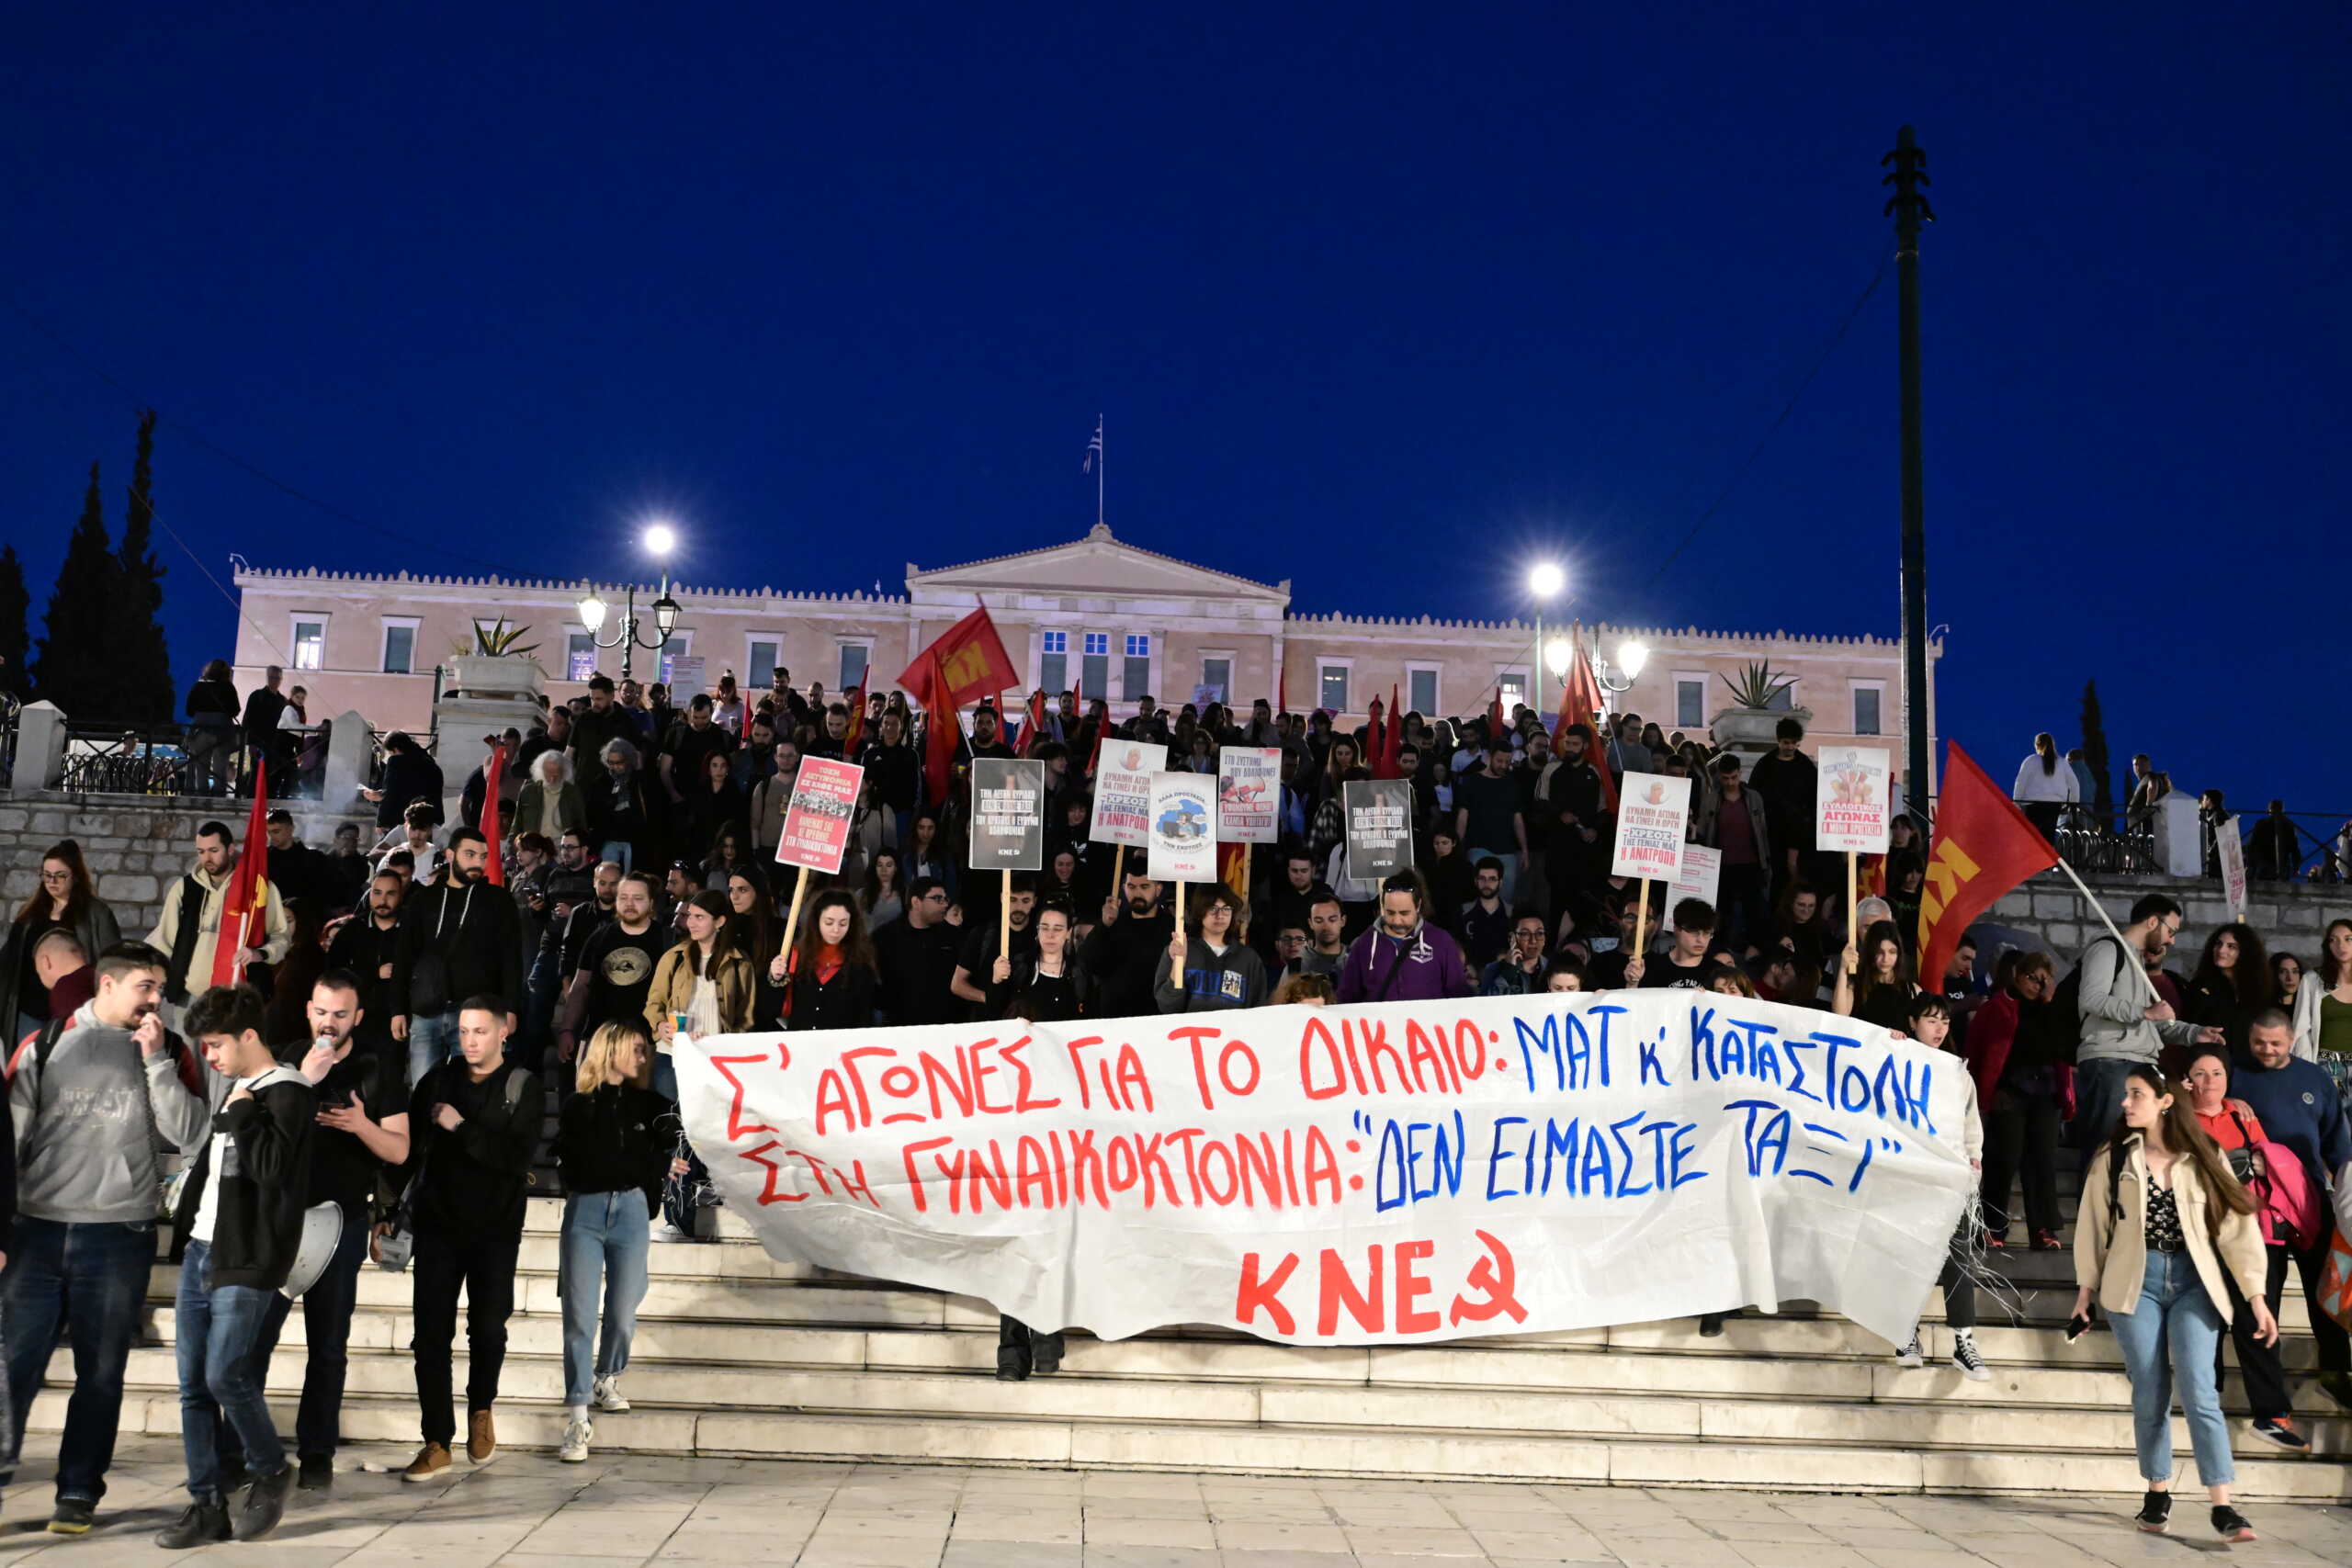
[2164, 1231]
[613, 1147]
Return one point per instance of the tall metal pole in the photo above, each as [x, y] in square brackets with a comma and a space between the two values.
[1910, 209]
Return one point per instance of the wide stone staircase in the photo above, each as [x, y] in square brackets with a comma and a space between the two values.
[740, 1354]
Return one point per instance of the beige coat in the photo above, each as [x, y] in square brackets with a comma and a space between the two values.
[674, 987]
[277, 933]
[2112, 1256]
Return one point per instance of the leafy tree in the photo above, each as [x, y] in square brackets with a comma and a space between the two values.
[2094, 754]
[76, 669]
[136, 633]
[14, 641]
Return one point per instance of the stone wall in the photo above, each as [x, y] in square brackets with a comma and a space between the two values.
[2290, 914]
[135, 844]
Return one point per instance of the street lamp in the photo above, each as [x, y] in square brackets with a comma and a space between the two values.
[1544, 581]
[658, 541]
[1632, 654]
[1556, 655]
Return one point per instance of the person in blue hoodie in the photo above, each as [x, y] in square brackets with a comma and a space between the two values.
[1210, 968]
[2298, 1106]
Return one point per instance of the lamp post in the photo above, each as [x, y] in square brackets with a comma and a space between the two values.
[1544, 581]
[658, 541]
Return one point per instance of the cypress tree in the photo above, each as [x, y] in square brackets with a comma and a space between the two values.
[137, 632]
[15, 640]
[2094, 754]
[76, 668]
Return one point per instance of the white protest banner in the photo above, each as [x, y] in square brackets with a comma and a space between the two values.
[1123, 792]
[1651, 812]
[1701, 877]
[1184, 828]
[1249, 793]
[1399, 1172]
[682, 672]
[1852, 800]
[2229, 851]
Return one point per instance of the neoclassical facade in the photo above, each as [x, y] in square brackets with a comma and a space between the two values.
[1097, 613]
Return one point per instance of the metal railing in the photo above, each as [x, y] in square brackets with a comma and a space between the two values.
[2089, 844]
[2298, 853]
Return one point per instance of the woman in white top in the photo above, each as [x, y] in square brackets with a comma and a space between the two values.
[2045, 785]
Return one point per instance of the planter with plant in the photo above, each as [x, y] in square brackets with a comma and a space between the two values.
[496, 663]
[1752, 716]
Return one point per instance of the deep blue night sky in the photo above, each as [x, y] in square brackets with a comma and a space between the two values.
[1386, 299]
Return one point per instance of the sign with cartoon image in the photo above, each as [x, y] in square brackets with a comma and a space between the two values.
[1853, 799]
[1183, 826]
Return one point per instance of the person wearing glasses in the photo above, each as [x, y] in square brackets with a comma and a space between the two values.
[66, 900]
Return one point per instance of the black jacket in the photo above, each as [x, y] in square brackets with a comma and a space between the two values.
[410, 775]
[472, 1181]
[918, 965]
[1127, 958]
[257, 1217]
[845, 1001]
[476, 931]
[617, 1137]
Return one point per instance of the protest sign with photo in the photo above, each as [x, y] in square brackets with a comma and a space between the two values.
[816, 823]
[1249, 793]
[1008, 814]
[1853, 799]
[1380, 827]
[1184, 828]
[1652, 813]
[1391, 1173]
[1123, 792]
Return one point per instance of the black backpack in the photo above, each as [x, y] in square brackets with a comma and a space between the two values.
[2059, 1037]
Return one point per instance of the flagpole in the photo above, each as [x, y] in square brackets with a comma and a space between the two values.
[1101, 464]
[2101, 910]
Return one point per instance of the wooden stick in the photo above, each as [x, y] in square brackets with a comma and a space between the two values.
[1179, 903]
[1853, 914]
[1641, 920]
[793, 917]
[1004, 916]
[1119, 873]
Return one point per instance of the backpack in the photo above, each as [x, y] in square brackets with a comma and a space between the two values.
[2062, 1033]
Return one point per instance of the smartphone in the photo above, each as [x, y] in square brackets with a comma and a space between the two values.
[2076, 1327]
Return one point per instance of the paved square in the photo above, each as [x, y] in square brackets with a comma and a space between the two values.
[525, 1510]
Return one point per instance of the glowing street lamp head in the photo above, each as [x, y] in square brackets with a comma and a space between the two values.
[592, 614]
[1556, 655]
[1632, 654]
[661, 539]
[1546, 579]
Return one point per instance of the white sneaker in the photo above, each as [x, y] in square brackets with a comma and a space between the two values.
[667, 1232]
[1911, 1355]
[608, 1396]
[1969, 1359]
[576, 1434]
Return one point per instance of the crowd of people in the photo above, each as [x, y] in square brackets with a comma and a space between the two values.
[392, 1046]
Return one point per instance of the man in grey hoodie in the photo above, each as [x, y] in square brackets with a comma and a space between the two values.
[2124, 1022]
[92, 1113]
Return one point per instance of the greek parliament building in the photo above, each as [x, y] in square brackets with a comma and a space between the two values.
[1114, 620]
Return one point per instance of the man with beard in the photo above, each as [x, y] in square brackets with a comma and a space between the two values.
[979, 958]
[1292, 900]
[1573, 812]
[459, 938]
[92, 1111]
[563, 885]
[1129, 948]
[368, 945]
[616, 966]
[188, 926]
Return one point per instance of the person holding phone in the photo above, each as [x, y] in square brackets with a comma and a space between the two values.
[2164, 1232]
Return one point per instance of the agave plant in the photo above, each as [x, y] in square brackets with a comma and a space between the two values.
[1757, 686]
[497, 640]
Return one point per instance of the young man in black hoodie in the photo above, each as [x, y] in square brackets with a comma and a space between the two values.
[240, 1219]
[459, 938]
[1128, 950]
[473, 1128]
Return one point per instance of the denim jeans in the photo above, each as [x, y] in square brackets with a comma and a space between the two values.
[84, 1282]
[216, 1328]
[327, 1307]
[2099, 1101]
[621, 852]
[604, 1243]
[432, 1038]
[2174, 1333]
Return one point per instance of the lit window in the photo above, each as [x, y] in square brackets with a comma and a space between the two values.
[310, 645]
[1139, 646]
[1099, 642]
[578, 655]
[1335, 687]
[1690, 702]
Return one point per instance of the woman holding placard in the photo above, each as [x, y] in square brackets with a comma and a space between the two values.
[1880, 992]
[830, 978]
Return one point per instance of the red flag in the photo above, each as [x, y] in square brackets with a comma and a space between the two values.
[491, 775]
[1495, 718]
[1983, 847]
[857, 731]
[1102, 728]
[1581, 703]
[1233, 870]
[1282, 690]
[245, 909]
[1032, 725]
[1376, 740]
[940, 732]
[968, 662]
[1392, 741]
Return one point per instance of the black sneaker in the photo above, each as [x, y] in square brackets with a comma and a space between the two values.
[1711, 1326]
[203, 1524]
[73, 1517]
[318, 1472]
[2280, 1430]
[264, 1504]
[2230, 1526]
[2155, 1513]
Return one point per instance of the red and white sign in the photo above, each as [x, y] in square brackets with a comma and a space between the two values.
[1123, 792]
[1701, 878]
[816, 825]
[1853, 799]
[1249, 793]
[1652, 818]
